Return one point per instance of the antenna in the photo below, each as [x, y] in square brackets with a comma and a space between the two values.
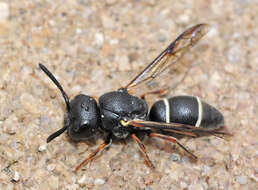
[56, 134]
[51, 76]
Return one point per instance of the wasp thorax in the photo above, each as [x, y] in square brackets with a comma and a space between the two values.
[120, 106]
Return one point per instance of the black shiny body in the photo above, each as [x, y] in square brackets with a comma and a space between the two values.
[119, 105]
[211, 118]
[119, 114]
[84, 118]
[185, 110]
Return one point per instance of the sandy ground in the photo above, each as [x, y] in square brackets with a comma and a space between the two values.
[94, 47]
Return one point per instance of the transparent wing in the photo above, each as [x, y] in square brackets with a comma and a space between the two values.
[170, 55]
[178, 128]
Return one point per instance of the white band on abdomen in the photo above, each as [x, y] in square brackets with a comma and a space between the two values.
[165, 100]
[199, 121]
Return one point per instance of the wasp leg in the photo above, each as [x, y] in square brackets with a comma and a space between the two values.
[173, 140]
[101, 147]
[141, 145]
[161, 92]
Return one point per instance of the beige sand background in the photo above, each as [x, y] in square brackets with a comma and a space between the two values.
[93, 47]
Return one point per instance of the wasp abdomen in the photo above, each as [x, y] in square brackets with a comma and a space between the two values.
[186, 110]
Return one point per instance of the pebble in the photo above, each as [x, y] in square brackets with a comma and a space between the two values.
[10, 125]
[106, 187]
[99, 181]
[29, 103]
[213, 32]
[78, 30]
[26, 71]
[82, 180]
[90, 50]
[254, 177]
[175, 157]
[110, 2]
[4, 11]
[114, 41]
[241, 179]
[183, 185]
[51, 22]
[215, 79]
[76, 89]
[53, 182]
[16, 176]
[42, 147]
[184, 18]
[99, 39]
[51, 167]
[107, 22]
[229, 68]
[234, 54]
[123, 63]
[206, 168]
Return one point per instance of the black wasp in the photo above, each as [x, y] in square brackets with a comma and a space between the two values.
[120, 115]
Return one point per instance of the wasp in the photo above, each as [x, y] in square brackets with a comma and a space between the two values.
[121, 115]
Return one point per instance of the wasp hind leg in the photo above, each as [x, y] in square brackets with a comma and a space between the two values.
[173, 140]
